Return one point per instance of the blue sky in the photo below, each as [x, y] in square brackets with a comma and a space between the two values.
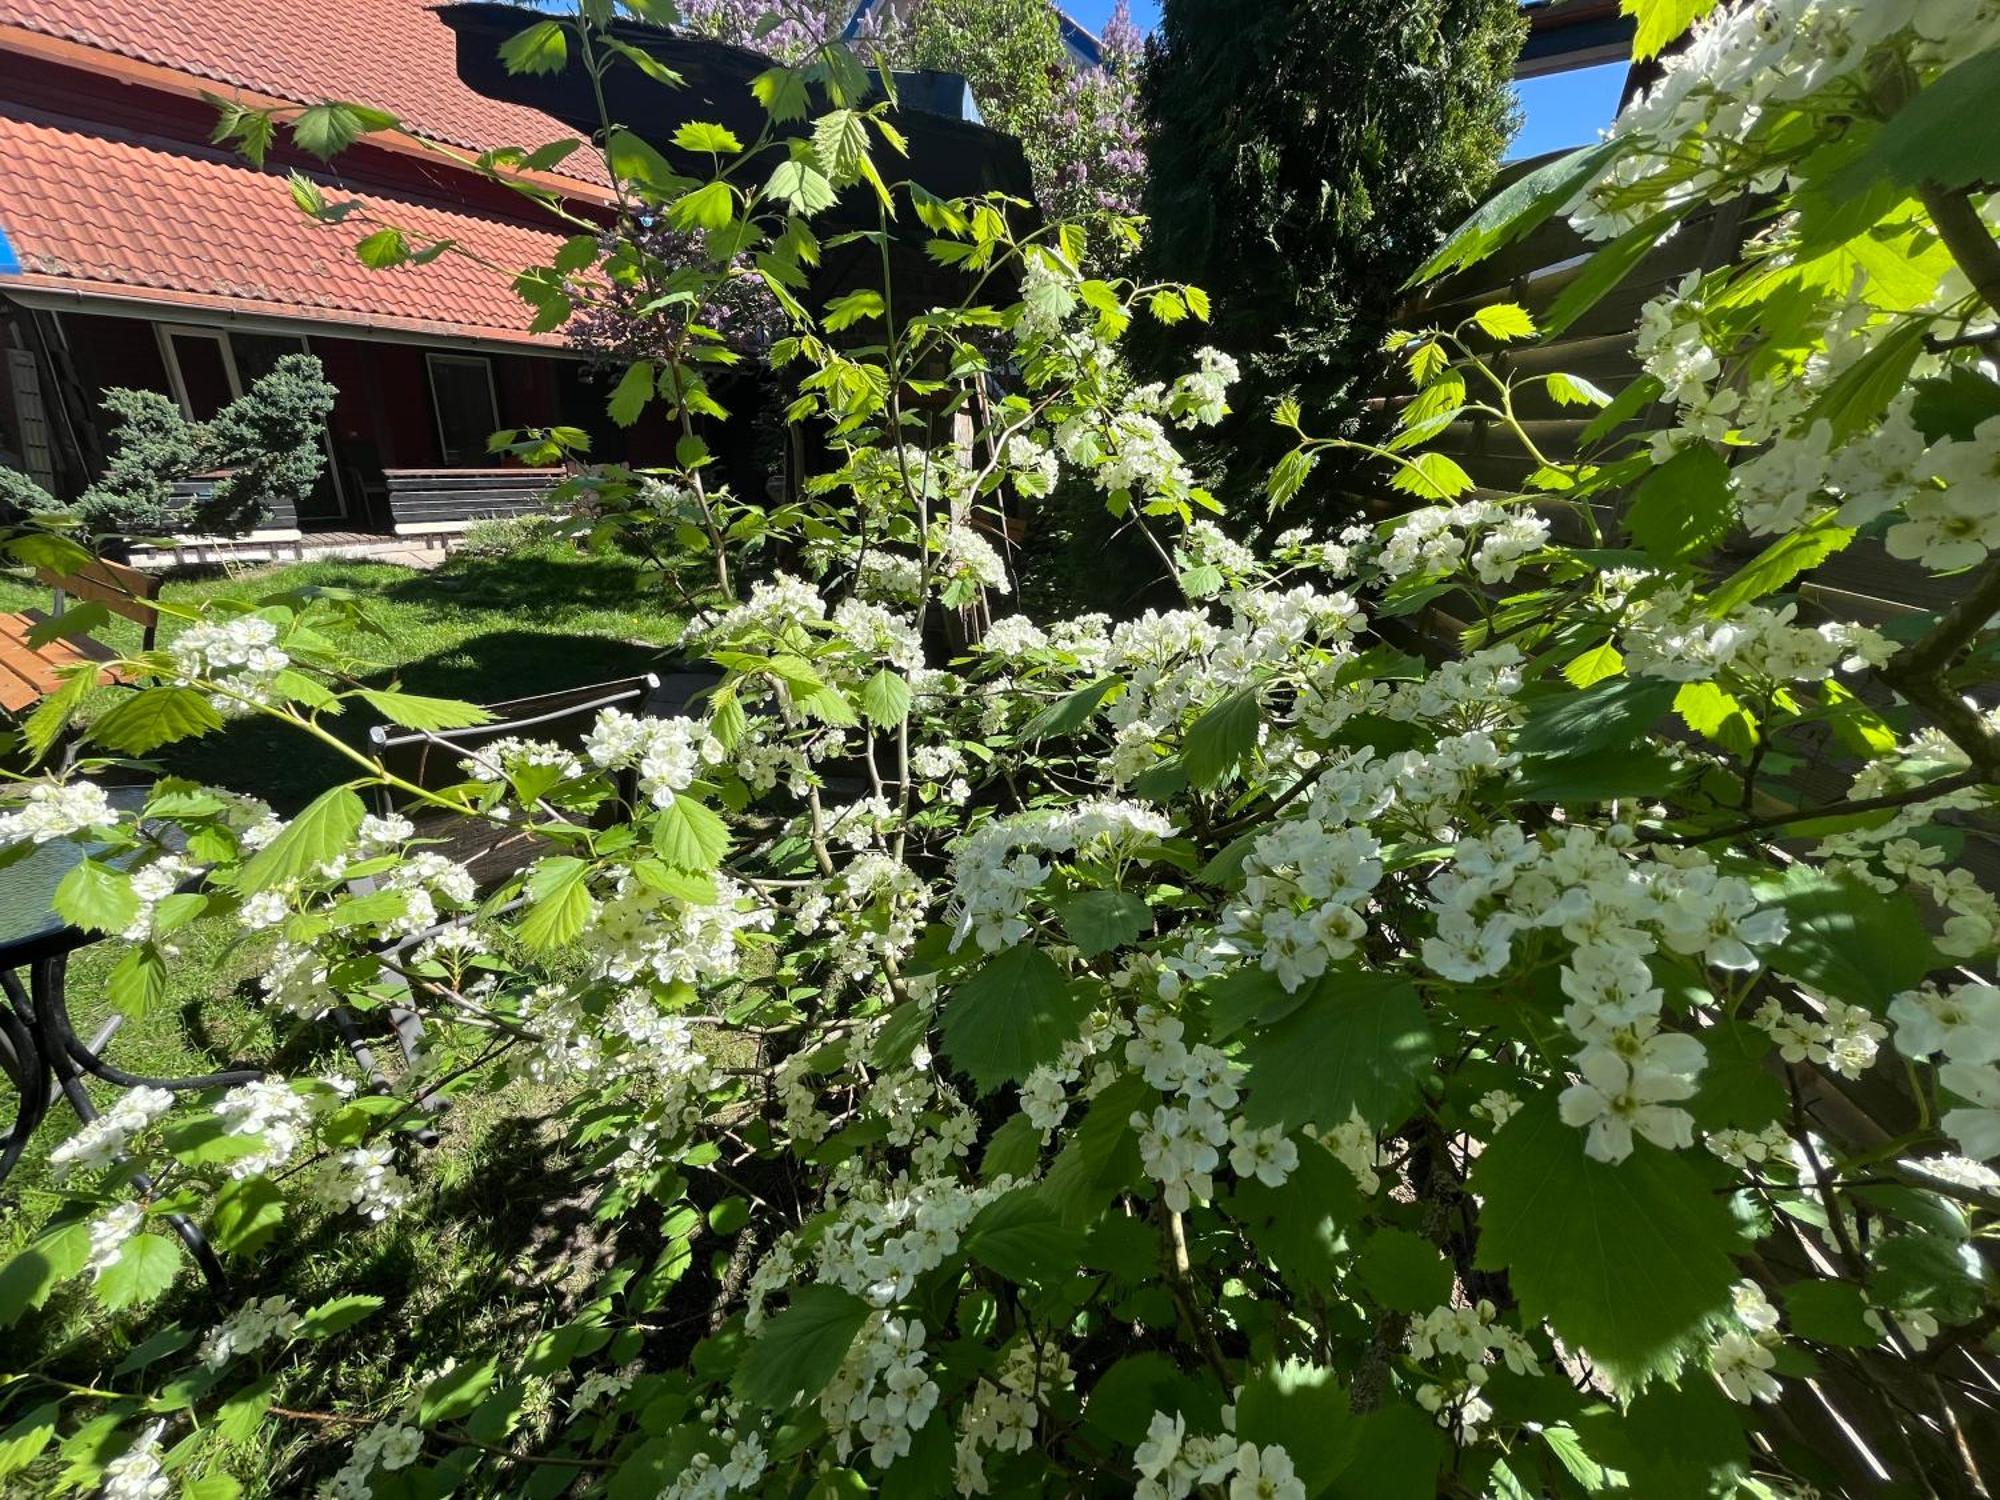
[1565, 110]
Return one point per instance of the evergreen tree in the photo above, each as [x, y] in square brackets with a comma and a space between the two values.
[1305, 158]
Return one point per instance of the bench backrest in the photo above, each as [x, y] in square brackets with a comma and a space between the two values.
[122, 590]
[564, 718]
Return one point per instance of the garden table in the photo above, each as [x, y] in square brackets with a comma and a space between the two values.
[40, 1051]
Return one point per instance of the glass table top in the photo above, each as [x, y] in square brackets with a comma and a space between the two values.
[28, 886]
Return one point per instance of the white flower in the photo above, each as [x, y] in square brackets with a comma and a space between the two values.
[108, 1233]
[55, 810]
[135, 1473]
[1264, 1154]
[1265, 1474]
[1741, 1365]
[1616, 1103]
[1962, 1022]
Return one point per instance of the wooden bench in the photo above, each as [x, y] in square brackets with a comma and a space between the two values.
[30, 672]
[429, 501]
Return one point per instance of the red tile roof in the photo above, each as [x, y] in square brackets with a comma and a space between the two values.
[110, 216]
[394, 54]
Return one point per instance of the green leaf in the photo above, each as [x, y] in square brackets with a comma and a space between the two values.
[1100, 1158]
[46, 724]
[1944, 135]
[1683, 507]
[326, 130]
[801, 186]
[1778, 564]
[1020, 1236]
[1403, 1271]
[1359, 1043]
[1830, 1312]
[1398, 1451]
[1222, 738]
[1070, 714]
[1523, 206]
[710, 206]
[141, 722]
[800, 1350]
[1431, 476]
[1504, 321]
[137, 983]
[145, 1267]
[457, 1391]
[1606, 269]
[542, 48]
[331, 1317]
[1574, 390]
[634, 390]
[782, 92]
[1954, 405]
[383, 249]
[54, 1256]
[427, 714]
[1625, 1261]
[1612, 713]
[322, 831]
[1595, 665]
[248, 1212]
[1661, 22]
[699, 135]
[23, 1442]
[1015, 1013]
[885, 698]
[689, 836]
[1305, 1411]
[559, 891]
[96, 898]
[633, 159]
[1846, 939]
[1714, 713]
[1099, 921]
[1602, 775]
[1862, 392]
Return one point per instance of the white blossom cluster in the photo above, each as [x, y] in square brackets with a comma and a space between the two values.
[664, 755]
[1173, 1465]
[57, 810]
[136, 1474]
[1467, 1337]
[364, 1179]
[1743, 1353]
[386, 1445]
[102, 1141]
[240, 655]
[999, 865]
[643, 931]
[258, 1322]
[1961, 1025]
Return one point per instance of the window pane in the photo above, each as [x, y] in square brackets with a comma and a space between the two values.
[463, 390]
[204, 376]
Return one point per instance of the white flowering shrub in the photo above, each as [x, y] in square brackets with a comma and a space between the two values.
[1399, 1024]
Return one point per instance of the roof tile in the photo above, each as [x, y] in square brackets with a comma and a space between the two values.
[108, 214]
[394, 54]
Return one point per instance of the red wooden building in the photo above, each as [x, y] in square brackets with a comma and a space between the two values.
[134, 253]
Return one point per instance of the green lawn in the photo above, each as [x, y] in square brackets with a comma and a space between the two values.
[479, 628]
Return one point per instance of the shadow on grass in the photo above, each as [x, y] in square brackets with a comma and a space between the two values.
[288, 769]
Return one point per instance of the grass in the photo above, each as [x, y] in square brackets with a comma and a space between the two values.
[479, 628]
[500, 1243]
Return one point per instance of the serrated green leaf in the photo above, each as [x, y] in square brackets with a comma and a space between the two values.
[541, 48]
[1627, 1262]
[688, 836]
[700, 135]
[1683, 507]
[1846, 939]
[1403, 1271]
[248, 1211]
[414, 711]
[322, 831]
[146, 1267]
[1358, 1044]
[1014, 1014]
[341, 1312]
[1100, 921]
[633, 391]
[96, 898]
[1778, 564]
[885, 698]
[1523, 206]
[1661, 22]
[1222, 738]
[141, 722]
[559, 893]
[799, 1351]
[1595, 665]
[1504, 321]
[710, 206]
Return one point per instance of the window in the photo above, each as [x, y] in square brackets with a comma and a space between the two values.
[467, 411]
[201, 369]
